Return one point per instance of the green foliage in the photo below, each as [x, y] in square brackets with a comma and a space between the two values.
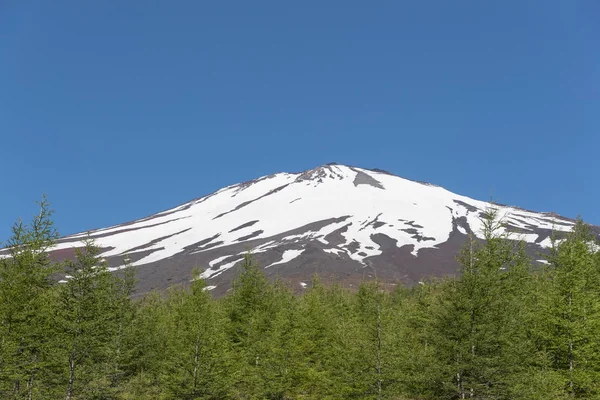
[479, 321]
[500, 330]
[94, 312]
[196, 362]
[571, 309]
[24, 304]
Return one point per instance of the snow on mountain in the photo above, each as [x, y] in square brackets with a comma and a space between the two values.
[339, 215]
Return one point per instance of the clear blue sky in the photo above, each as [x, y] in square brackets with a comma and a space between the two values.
[119, 109]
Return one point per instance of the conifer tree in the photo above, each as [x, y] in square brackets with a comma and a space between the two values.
[248, 319]
[197, 359]
[411, 348]
[86, 323]
[321, 371]
[277, 345]
[122, 310]
[373, 312]
[573, 312]
[248, 298]
[479, 313]
[25, 283]
[148, 342]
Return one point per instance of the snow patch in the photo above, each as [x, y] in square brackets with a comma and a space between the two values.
[211, 273]
[217, 260]
[337, 252]
[287, 256]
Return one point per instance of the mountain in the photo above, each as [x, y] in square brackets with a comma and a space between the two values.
[343, 222]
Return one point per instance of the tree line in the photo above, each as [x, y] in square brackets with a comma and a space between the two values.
[503, 328]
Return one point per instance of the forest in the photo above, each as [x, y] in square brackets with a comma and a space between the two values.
[504, 327]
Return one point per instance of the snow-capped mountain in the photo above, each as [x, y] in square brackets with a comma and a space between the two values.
[343, 222]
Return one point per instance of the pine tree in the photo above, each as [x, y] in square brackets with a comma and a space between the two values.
[573, 312]
[373, 315]
[122, 310]
[85, 323]
[148, 343]
[321, 371]
[411, 350]
[248, 299]
[262, 331]
[276, 343]
[197, 358]
[479, 314]
[25, 286]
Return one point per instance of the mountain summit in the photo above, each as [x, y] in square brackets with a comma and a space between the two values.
[343, 222]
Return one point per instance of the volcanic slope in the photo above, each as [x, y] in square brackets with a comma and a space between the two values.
[344, 223]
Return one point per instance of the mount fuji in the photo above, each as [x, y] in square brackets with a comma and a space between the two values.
[344, 223]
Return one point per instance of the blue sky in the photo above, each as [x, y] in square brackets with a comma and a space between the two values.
[119, 109]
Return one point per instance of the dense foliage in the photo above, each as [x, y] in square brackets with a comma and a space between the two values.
[500, 330]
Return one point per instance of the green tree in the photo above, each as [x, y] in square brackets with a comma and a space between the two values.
[479, 316]
[262, 331]
[248, 299]
[148, 342]
[277, 368]
[25, 285]
[373, 320]
[119, 358]
[413, 350]
[324, 320]
[86, 323]
[197, 359]
[572, 312]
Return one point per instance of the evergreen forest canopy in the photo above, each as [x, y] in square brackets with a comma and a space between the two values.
[501, 329]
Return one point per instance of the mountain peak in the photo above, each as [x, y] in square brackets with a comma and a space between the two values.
[327, 171]
[335, 219]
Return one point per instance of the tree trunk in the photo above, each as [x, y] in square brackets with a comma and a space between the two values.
[71, 375]
[472, 319]
[472, 360]
[17, 386]
[571, 384]
[459, 384]
[196, 358]
[379, 380]
[30, 387]
[571, 366]
[30, 381]
[117, 356]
